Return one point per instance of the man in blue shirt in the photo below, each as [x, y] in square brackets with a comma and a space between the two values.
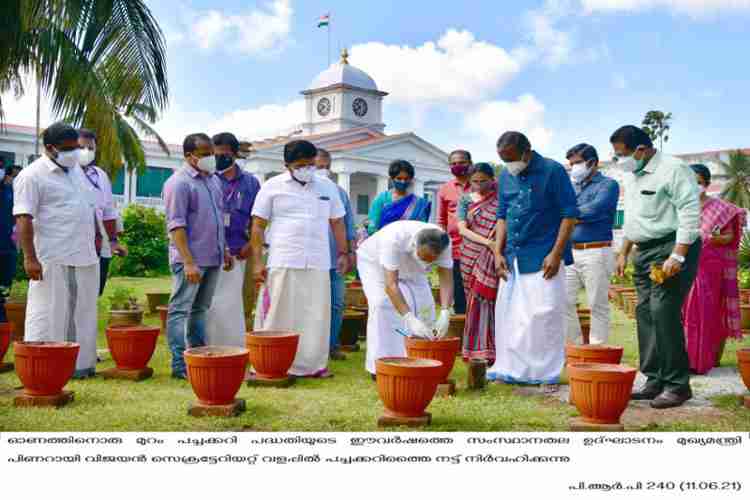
[536, 215]
[592, 243]
[7, 246]
[323, 163]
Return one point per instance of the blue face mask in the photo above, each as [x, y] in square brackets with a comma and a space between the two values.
[401, 186]
[223, 162]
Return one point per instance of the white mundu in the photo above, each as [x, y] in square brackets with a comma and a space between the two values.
[392, 249]
[225, 320]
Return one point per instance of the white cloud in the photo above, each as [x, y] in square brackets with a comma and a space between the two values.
[261, 31]
[455, 70]
[693, 8]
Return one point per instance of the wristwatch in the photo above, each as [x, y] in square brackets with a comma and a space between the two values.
[679, 258]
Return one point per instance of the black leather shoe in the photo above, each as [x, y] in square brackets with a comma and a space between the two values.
[672, 398]
[646, 392]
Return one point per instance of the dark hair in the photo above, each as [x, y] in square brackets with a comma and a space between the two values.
[585, 151]
[436, 240]
[190, 143]
[398, 166]
[703, 171]
[516, 139]
[59, 132]
[324, 152]
[87, 134]
[466, 154]
[631, 136]
[484, 168]
[297, 150]
[227, 139]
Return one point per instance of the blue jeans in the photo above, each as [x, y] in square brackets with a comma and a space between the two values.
[187, 308]
[337, 307]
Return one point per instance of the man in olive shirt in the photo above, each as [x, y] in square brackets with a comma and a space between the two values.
[662, 219]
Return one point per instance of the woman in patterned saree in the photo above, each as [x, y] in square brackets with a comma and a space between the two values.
[476, 222]
[398, 203]
[711, 312]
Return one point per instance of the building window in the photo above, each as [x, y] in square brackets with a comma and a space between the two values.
[363, 204]
[118, 184]
[619, 219]
[150, 184]
[9, 158]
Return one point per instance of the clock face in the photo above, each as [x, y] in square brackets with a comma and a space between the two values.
[359, 106]
[324, 106]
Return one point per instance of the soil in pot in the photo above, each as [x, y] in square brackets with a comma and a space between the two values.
[216, 373]
[132, 346]
[443, 350]
[601, 392]
[272, 352]
[45, 367]
[407, 385]
[593, 353]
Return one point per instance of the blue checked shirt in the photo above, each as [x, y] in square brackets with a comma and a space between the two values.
[597, 204]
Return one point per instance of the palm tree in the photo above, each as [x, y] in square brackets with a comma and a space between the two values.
[737, 188]
[101, 62]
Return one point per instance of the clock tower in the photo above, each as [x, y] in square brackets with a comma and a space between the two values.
[342, 97]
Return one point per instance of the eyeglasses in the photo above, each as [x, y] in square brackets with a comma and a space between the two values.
[459, 163]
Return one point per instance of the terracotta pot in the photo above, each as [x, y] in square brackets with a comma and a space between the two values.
[155, 299]
[5, 333]
[584, 319]
[216, 372]
[744, 296]
[132, 346]
[272, 352]
[123, 317]
[743, 364]
[354, 296]
[744, 311]
[443, 350]
[16, 314]
[407, 385]
[163, 310]
[593, 353]
[601, 391]
[353, 325]
[45, 367]
[456, 326]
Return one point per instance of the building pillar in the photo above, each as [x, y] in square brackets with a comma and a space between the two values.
[382, 184]
[419, 188]
[345, 182]
[126, 185]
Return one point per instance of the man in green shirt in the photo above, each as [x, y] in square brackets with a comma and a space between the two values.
[662, 219]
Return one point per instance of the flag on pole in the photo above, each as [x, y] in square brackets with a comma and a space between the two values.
[324, 21]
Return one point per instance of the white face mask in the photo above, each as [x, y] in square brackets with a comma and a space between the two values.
[579, 172]
[86, 157]
[207, 164]
[323, 172]
[627, 163]
[304, 174]
[67, 159]
[516, 167]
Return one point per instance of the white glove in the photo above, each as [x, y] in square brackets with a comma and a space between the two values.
[416, 327]
[442, 323]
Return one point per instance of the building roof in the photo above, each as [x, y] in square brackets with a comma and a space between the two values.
[343, 74]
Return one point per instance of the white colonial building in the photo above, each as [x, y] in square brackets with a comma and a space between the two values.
[344, 114]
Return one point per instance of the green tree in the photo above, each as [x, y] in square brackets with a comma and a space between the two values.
[101, 62]
[737, 188]
[657, 125]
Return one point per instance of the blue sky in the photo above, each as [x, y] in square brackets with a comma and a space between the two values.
[461, 73]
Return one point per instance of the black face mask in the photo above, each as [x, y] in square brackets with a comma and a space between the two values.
[224, 162]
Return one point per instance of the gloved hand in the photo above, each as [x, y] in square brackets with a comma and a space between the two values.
[416, 327]
[442, 323]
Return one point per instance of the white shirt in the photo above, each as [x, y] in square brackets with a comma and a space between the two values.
[101, 189]
[63, 212]
[393, 248]
[299, 218]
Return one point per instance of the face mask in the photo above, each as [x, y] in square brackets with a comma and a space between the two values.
[86, 157]
[401, 186]
[579, 172]
[223, 162]
[630, 164]
[701, 188]
[322, 172]
[460, 170]
[515, 167]
[207, 164]
[304, 174]
[67, 159]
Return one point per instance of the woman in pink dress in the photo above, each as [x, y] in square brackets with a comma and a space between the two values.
[711, 313]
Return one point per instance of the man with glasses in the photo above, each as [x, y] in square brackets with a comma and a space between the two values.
[297, 208]
[447, 201]
[197, 246]
[662, 220]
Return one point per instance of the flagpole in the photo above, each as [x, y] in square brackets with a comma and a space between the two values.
[329, 39]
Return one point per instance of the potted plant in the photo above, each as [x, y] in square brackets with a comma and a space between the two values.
[602, 391]
[15, 308]
[407, 385]
[216, 373]
[45, 367]
[124, 309]
[271, 353]
[155, 299]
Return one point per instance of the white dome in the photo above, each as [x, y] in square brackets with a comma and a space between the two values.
[343, 73]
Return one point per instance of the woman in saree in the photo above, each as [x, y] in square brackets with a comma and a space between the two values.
[398, 203]
[477, 215]
[711, 313]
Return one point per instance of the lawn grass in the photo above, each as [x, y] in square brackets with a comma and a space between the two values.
[347, 402]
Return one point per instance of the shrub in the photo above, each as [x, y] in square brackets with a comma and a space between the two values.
[145, 236]
[123, 299]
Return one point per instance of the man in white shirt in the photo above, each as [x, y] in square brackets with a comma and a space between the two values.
[98, 182]
[55, 215]
[298, 207]
[393, 264]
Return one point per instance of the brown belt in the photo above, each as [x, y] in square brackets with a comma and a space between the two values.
[595, 244]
